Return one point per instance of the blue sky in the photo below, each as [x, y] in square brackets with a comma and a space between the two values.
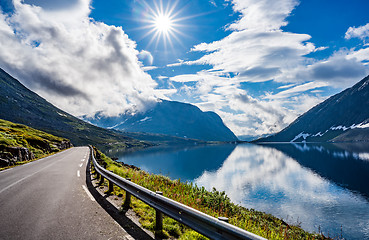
[257, 63]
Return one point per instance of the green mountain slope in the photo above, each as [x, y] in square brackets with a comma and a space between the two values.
[20, 105]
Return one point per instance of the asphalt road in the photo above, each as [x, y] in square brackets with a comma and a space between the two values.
[48, 199]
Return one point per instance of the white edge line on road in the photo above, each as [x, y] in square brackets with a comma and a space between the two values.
[30, 175]
[128, 237]
[88, 193]
[6, 170]
[81, 165]
[35, 161]
[82, 160]
[78, 174]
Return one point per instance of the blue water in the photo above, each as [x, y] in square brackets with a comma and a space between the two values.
[320, 187]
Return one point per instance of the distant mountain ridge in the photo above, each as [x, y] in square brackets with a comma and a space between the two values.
[20, 105]
[170, 118]
[342, 117]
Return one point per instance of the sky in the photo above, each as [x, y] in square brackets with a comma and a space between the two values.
[259, 64]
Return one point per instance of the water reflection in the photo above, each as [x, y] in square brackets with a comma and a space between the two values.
[345, 164]
[266, 179]
[185, 163]
[319, 186]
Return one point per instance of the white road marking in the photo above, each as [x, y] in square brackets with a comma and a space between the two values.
[81, 165]
[88, 193]
[82, 160]
[78, 174]
[6, 170]
[129, 237]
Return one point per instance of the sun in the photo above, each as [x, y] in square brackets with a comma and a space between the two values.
[163, 23]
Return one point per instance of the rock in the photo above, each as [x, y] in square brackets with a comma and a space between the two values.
[5, 162]
[10, 155]
[20, 153]
[64, 145]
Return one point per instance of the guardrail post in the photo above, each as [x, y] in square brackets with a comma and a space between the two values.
[127, 201]
[101, 179]
[159, 217]
[111, 187]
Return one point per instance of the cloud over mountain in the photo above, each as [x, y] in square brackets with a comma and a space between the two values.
[76, 63]
[258, 50]
[254, 73]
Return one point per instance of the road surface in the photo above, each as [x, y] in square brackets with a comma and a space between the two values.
[48, 199]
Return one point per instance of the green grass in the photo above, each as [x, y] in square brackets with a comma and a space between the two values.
[213, 203]
[38, 142]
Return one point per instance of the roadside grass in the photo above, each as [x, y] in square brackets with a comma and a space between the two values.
[213, 203]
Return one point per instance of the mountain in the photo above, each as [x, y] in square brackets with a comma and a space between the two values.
[170, 118]
[343, 117]
[20, 105]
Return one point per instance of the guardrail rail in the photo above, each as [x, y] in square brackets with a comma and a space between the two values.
[206, 225]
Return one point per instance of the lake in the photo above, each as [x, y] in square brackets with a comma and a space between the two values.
[320, 187]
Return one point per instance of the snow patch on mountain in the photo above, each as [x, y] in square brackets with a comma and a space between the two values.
[363, 125]
[364, 156]
[353, 126]
[145, 119]
[116, 125]
[302, 134]
[61, 114]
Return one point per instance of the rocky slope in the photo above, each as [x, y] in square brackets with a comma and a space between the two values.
[20, 143]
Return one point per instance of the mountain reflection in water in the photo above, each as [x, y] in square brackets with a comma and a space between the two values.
[181, 162]
[319, 186]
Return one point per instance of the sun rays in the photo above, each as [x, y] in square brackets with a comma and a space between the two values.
[162, 23]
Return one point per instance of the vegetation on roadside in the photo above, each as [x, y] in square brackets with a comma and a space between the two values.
[213, 203]
[38, 143]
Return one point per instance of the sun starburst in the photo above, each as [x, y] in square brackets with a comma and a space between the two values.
[162, 23]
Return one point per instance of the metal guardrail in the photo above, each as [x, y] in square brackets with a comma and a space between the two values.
[208, 226]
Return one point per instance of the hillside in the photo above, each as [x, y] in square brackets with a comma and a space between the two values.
[20, 105]
[343, 117]
[21, 143]
[170, 118]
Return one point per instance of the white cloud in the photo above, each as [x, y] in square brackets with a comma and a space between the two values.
[186, 78]
[145, 57]
[257, 56]
[298, 89]
[286, 86]
[361, 32]
[262, 15]
[80, 65]
[162, 77]
[360, 55]
[341, 70]
[149, 68]
[258, 50]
